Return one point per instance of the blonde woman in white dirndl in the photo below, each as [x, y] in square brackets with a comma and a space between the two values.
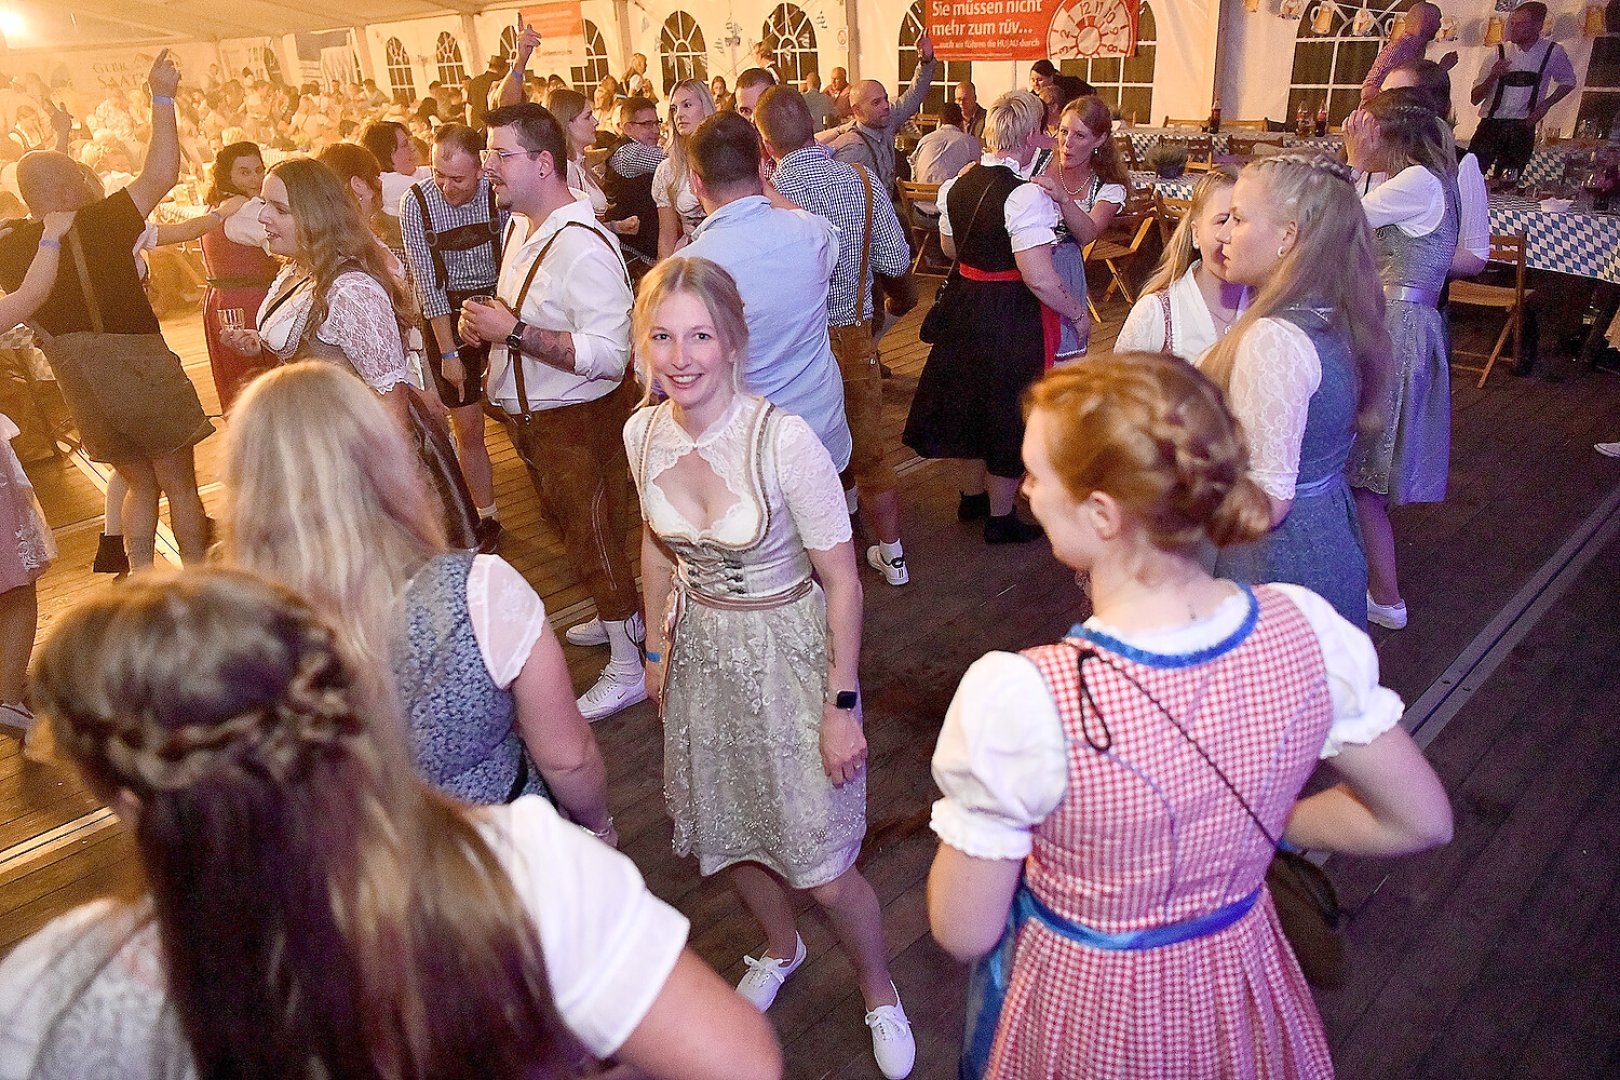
[755, 664]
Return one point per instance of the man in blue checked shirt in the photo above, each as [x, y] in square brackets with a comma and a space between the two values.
[870, 240]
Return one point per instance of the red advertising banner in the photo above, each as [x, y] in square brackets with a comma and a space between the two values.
[562, 34]
[1032, 29]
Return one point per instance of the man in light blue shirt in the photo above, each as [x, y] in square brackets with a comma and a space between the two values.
[782, 261]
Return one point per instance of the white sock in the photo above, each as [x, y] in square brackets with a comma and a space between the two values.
[623, 652]
[488, 513]
[891, 552]
[852, 500]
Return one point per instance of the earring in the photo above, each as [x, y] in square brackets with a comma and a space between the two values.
[1282, 250]
[1195, 246]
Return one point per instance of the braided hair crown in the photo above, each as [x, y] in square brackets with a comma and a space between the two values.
[203, 675]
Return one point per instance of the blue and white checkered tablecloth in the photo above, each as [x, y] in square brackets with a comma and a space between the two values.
[1575, 242]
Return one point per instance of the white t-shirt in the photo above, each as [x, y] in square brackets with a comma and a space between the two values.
[395, 185]
[1002, 761]
[92, 981]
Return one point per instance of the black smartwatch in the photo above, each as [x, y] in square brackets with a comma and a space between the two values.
[844, 700]
[514, 340]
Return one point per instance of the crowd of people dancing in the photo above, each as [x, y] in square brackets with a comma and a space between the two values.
[371, 814]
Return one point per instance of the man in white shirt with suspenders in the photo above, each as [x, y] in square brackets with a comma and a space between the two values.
[561, 335]
[1516, 91]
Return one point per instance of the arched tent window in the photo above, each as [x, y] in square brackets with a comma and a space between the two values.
[508, 46]
[681, 48]
[911, 28]
[452, 70]
[401, 79]
[1331, 66]
[1125, 82]
[792, 37]
[588, 77]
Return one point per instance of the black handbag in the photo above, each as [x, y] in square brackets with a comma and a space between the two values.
[1306, 902]
[939, 321]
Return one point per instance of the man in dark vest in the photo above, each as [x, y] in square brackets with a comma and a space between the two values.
[452, 232]
[627, 180]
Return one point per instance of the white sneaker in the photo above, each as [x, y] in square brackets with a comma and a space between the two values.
[16, 719]
[767, 974]
[613, 691]
[1389, 616]
[895, 573]
[594, 633]
[1607, 449]
[893, 1045]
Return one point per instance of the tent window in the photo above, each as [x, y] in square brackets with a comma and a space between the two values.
[1600, 98]
[452, 71]
[401, 80]
[911, 28]
[681, 48]
[1332, 66]
[790, 34]
[587, 78]
[1125, 82]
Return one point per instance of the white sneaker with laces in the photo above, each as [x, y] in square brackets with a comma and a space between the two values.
[767, 974]
[893, 1045]
[895, 573]
[590, 633]
[1389, 616]
[613, 691]
[1607, 449]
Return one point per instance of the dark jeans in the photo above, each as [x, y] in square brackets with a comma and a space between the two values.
[1507, 144]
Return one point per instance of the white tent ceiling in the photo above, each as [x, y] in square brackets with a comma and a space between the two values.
[90, 24]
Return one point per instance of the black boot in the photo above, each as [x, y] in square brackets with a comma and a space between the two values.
[110, 556]
[1008, 529]
[973, 507]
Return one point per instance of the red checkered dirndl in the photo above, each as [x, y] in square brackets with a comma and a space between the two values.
[1148, 835]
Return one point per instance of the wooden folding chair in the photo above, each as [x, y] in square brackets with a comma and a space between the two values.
[1200, 150]
[1248, 145]
[1170, 122]
[1509, 250]
[1113, 252]
[924, 228]
[1169, 212]
[1127, 152]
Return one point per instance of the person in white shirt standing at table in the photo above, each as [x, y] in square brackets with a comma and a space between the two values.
[561, 336]
[1517, 90]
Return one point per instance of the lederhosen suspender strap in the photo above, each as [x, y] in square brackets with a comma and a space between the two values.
[866, 249]
[1535, 91]
[430, 236]
[524, 412]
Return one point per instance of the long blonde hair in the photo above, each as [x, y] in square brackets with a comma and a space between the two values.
[324, 496]
[334, 239]
[678, 145]
[1331, 266]
[322, 913]
[1179, 253]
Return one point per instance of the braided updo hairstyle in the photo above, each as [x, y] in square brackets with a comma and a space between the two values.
[1155, 434]
[321, 912]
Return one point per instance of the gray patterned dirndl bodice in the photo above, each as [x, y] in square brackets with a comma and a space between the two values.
[463, 728]
[1420, 262]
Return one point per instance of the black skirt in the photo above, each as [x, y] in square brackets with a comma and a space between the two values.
[969, 398]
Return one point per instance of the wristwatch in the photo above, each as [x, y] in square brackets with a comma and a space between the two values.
[843, 700]
[514, 340]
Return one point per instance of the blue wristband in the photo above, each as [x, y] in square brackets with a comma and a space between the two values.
[159, 99]
[653, 657]
[51, 244]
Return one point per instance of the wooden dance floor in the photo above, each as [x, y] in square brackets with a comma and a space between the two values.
[1494, 957]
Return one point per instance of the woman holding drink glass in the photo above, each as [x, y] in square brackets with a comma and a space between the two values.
[240, 267]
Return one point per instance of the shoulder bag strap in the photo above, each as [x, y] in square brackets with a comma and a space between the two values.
[866, 248]
[91, 304]
[523, 295]
[972, 221]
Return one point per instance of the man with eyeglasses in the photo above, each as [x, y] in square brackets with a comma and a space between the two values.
[560, 331]
[452, 231]
[628, 179]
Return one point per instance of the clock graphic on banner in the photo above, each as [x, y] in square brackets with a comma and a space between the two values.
[1081, 29]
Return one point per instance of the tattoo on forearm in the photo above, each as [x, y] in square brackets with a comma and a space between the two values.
[549, 347]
